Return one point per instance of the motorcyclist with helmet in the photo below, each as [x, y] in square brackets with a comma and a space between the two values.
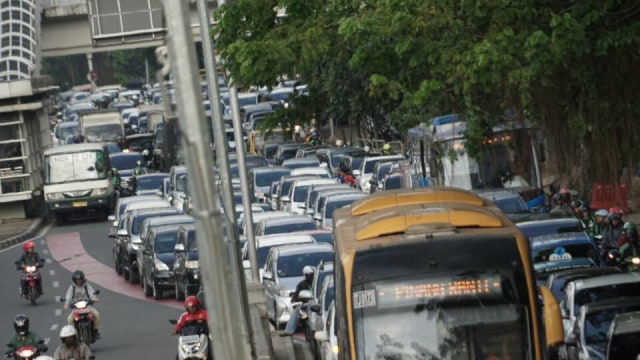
[193, 312]
[304, 284]
[139, 169]
[23, 336]
[29, 257]
[613, 231]
[71, 347]
[387, 150]
[600, 222]
[575, 207]
[629, 247]
[81, 290]
[586, 220]
[560, 204]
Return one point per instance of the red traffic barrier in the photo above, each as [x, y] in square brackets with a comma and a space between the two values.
[606, 196]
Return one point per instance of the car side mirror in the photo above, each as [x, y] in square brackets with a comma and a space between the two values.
[552, 317]
[112, 218]
[179, 248]
[123, 232]
[315, 308]
[305, 295]
[321, 336]
[267, 275]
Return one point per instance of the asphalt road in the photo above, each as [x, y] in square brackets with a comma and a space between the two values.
[134, 327]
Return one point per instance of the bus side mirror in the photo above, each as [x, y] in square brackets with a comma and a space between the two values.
[552, 317]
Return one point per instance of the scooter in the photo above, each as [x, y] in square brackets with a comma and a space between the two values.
[83, 320]
[193, 343]
[26, 352]
[31, 282]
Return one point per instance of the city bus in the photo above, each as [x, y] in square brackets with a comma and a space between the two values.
[437, 273]
[511, 157]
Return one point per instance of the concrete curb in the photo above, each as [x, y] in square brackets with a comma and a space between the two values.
[30, 232]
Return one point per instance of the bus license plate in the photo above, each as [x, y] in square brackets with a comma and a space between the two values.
[79, 204]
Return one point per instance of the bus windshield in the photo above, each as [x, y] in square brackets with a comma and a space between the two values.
[80, 166]
[437, 318]
[104, 133]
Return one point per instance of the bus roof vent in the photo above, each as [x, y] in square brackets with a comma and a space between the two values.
[390, 199]
[416, 220]
[430, 229]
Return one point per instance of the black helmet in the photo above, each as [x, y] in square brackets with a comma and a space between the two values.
[77, 275]
[21, 324]
[585, 207]
[577, 204]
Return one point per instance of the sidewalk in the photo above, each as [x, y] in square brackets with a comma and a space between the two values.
[15, 231]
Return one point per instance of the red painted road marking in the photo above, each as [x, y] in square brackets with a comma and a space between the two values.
[68, 251]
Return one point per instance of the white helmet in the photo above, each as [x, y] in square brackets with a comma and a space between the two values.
[339, 143]
[68, 330]
[44, 357]
[308, 270]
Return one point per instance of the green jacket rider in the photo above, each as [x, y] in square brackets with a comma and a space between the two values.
[23, 336]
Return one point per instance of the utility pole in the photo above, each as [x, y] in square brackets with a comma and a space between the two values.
[222, 160]
[227, 320]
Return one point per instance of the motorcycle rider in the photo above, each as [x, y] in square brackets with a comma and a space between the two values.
[629, 230]
[193, 312]
[305, 284]
[575, 207]
[81, 290]
[71, 347]
[613, 231]
[586, 220]
[139, 169]
[29, 257]
[600, 222]
[630, 248]
[560, 206]
[387, 150]
[23, 336]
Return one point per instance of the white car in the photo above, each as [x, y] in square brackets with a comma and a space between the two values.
[321, 171]
[265, 243]
[366, 170]
[324, 217]
[298, 193]
[258, 217]
[328, 337]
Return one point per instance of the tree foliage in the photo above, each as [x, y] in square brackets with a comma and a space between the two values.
[571, 66]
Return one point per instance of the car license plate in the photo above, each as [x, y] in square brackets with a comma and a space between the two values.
[79, 204]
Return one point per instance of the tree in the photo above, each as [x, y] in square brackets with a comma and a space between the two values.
[571, 66]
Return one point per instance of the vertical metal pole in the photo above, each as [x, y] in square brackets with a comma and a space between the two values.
[90, 75]
[244, 180]
[146, 70]
[332, 135]
[226, 321]
[222, 159]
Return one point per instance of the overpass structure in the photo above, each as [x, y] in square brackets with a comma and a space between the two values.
[71, 27]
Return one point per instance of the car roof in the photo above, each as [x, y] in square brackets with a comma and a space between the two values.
[626, 323]
[562, 238]
[604, 280]
[154, 210]
[150, 175]
[309, 170]
[166, 228]
[281, 239]
[301, 161]
[286, 219]
[571, 274]
[132, 199]
[345, 196]
[321, 181]
[125, 154]
[269, 214]
[269, 169]
[169, 220]
[301, 248]
[611, 303]
[153, 203]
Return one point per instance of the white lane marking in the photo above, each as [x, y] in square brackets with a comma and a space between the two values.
[49, 261]
[58, 312]
[52, 272]
[56, 284]
[47, 340]
[44, 251]
[58, 297]
[54, 327]
[40, 234]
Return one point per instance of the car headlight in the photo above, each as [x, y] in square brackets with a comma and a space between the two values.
[98, 192]
[191, 348]
[192, 264]
[55, 196]
[160, 266]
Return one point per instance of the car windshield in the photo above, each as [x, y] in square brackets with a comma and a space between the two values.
[286, 186]
[511, 205]
[336, 204]
[268, 177]
[289, 153]
[290, 227]
[138, 220]
[369, 165]
[181, 182]
[624, 346]
[612, 291]
[165, 242]
[326, 238]
[383, 170]
[300, 193]
[405, 326]
[291, 265]
[565, 252]
[89, 165]
[596, 327]
[126, 162]
[149, 182]
[541, 228]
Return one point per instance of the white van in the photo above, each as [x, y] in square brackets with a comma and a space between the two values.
[77, 181]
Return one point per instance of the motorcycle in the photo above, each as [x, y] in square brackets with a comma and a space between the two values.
[83, 319]
[609, 254]
[193, 343]
[26, 352]
[31, 281]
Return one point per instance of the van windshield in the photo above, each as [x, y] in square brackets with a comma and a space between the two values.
[80, 166]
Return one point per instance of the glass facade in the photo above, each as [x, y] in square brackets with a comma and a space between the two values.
[18, 39]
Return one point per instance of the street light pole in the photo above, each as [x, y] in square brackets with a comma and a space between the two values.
[227, 321]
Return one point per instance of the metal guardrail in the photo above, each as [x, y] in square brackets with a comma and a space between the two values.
[56, 3]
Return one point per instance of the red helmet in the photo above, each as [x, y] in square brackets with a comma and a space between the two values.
[28, 245]
[615, 210]
[564, 191]
[191, 302]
